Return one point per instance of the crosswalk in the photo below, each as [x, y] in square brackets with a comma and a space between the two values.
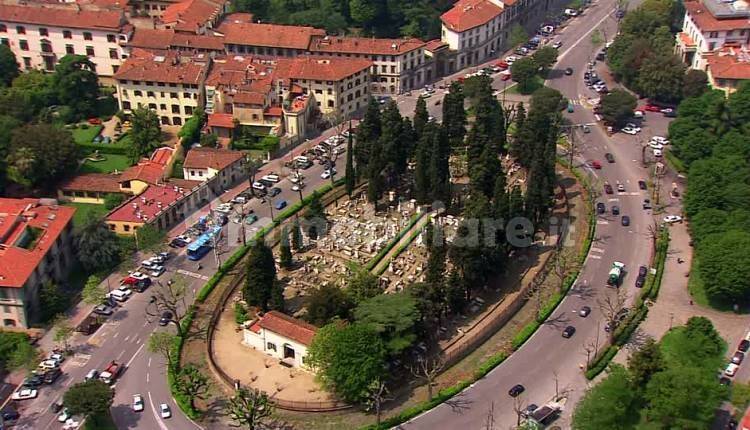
[80, 360]
[595, 253]
[192, 274]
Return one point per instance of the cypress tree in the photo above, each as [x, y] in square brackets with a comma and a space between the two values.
[420, 116]
[439, 171]
[422, 188]
[351, 175]
[296, 236]
[260, 276]
[315, 217]
[454, 114]
[285, 249]
[368, 133]
[485, 173]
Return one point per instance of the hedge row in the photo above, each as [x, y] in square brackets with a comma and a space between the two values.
[182, 401]
[403, 246]
[601, 364]
[383, 252]
[105, 148]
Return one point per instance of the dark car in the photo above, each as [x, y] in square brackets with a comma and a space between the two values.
[569, 71]
[9, 413]
[281, 204]
[615, 210]
[600, 208]
[58, 405]
[610, 158]
[625, 221]
[177, 243]
[585, 311]
[275, 191]
[142, 285]
[639, 281]
[600, 56]
[33, 381]
[51, 375]
[725, 381]
[166, 317]
[516, 390]
[744, 345]
[568, 332]
[738, 357]
[642, 185]
[608, 189]
[646, 204]
[529, 410]
[642, 271]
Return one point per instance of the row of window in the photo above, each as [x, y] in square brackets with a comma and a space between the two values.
[159, 84]
[46, 47]
[162, 107]
[139, 93]
[260, 50]
[67, 34]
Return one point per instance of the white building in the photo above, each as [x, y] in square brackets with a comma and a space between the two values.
[40, 35]
[475, 30]
[202, 164]
[280, 336]
[710, 25]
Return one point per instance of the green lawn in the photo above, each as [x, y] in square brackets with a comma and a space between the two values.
[84, 209]
[81, 135]
[113, 162]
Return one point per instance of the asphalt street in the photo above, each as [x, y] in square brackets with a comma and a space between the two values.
[125, 334]
[549, 364]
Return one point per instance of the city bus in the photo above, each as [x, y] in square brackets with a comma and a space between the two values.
[198, 248]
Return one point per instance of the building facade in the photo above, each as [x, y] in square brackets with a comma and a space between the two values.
[475, 29]
[710, 25]
[280, 336]
[35, 247]
[40, 35]
[202, 164]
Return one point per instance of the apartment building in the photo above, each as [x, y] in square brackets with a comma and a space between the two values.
[193, 16]
[398, 65]
[244, 37]
[169, 84]
[202, 164]
[710, 25]
[41, 34]
[159, 41]
[150, 8]
[475, 30]
[35, 247]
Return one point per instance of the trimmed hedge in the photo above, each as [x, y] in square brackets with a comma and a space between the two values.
[182, 401]
[105, 148]
[402, 247]
[383, 252]
[599, 366]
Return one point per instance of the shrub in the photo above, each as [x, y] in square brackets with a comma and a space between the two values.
[599, 365]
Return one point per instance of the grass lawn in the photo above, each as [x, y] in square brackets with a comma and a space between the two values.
[113, 162]
[100, 422]
[83, 210]
[81, 135]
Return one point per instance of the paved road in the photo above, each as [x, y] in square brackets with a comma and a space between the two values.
[124, 336]
[547, 359]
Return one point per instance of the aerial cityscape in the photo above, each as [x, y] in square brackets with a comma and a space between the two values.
[374, 214]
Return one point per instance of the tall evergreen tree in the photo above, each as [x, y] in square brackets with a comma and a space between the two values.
[368, 133]
[515, 203]
[485, 173]
[420, 116]
[296, 236]
[519, 145]
[8, 66]
[315, 217]
[260, 276]
[351, 175]
[391, 158]
[439, 171]
[422, 188]
[454, 114]
[285, 249]
[468, 251]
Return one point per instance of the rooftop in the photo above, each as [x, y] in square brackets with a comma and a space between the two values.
[213, 158]
[223, 120]
[468, 14]
[364, 45]
[190, 15]
[150, 203]
[28, 229]
[57, 16]
[284, 325]
[101, 182]
[163, 39]
[727, 8]
[729, 63]
[237, 30]
[162, 155]
[705, 21]
[321, 69]
[169, 68]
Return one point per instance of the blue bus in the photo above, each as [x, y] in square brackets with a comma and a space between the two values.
[203, 244]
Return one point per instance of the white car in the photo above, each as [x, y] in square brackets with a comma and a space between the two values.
[271, 177]
[658, 153]
[557, 45]
[327, 173]
[138, 403]
[137, 275]
[156, 271]
[25, 394]
[638, 114]
[59, 358]
[426, 94]
[164, 410]
[224, 208]
[49, 364]
[294, 178]
[64, 415]
[239, 199]
[71, 424]
[297, 187]
[669, 219]
[634, 127]
[656, 145]
[731, 369]
[621, 188]
[258, 186]
[119, 295]
[629, 130]
[511, 59]
[185, 238]
[661, 140]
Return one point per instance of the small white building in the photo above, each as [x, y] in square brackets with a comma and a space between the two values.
[202, 164]
[280, 336]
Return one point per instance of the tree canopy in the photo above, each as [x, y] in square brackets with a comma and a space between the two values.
[260, 279]
[88, 398]
[618, 106]
[39, 155]
[393, 316]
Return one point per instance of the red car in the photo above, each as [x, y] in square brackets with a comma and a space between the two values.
[652, 108]
[505, 77]
[596, 164]
[95, 121]
[502, 64]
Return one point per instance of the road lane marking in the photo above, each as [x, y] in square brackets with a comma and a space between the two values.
[156, 413]
[593, 249]
[126, 338]
[119, 356]
[133, 357]
[595, 257]
[148, 377]
[149, 362]
[117, 333]
[602, 222]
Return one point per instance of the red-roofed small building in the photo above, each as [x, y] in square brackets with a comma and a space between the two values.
[193, 16]
[280, 336]
[475, 30]
[35, 247]
[727, 68]
[710, 25]
[202, 164]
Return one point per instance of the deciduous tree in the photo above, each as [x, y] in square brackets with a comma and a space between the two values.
[393, 316]
[96, 245]
[39, 155]
[90, 398]
[145, 133]
[191, 383]
[250, 408]
[610, 404]
[326, 303]
[524, 72]
[77, 84]
[8, 66]
[618, 106]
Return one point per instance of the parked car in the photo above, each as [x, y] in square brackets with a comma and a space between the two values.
[251, 219]
[646, 204]
[25, 394]
[516, 390]
[275, 191]
[625, 221]
[9, 413]
[166, 317]
[669, 112]
[51, 376]
[608, 189]
[64, 415]
[731, 369]
[600, 208]
[33, 381]
[568, 71]
[557, 44]
[642, 185]
[615, 210]
[744, 345]
[670, 219]
[271, 177]
[91, 375]
[621, 187]
[568, 332]
[629, 130]
[652, 108]
[281, 204]
[738, 357]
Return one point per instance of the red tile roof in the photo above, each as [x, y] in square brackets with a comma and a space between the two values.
[223, 120]
[150, 203]
[707, 22]
[162, 155]
[364, 45]
[435, 44]
[190, 15]
[686, 39]
[729, 63]
[284, 325]
[197, 41]
[56, 16]
[145, 171]
[240, 32]
[148, 38]
[101, 182]
[170, 68]
[273, 111]
[217, 159]
[16, 263]
[163, 39]
[468, 14]
[320, 68]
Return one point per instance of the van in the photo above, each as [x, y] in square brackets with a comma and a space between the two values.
[92, 375]
[119, 295]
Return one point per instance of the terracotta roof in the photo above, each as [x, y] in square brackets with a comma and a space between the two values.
[273, 111]
[145, 171]
[198, 41]
[162, 155]
[150, 203]
[707, 22]
[148, 38]
[320, 68]
[217, 159]
[249, 98]
[147, 66]
[223, 120]
[190, 15]
[102, 182]
[163, 39]
[729, 63]
[55, 16]
[468, 14]
[435, 44]
[240, 32]
[18, 263]
[686, 39]
[364, 45]
[284, 325]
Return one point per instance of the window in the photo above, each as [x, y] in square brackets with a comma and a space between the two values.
[5, 41]
[126, 105]
[330, 91]
[43, 31]
[20, 29]
[115, 68]
[331, 103]
[163, 106]
[152, 106]
[138, 93]
[318, 91]
[3, 28]
[173, 95]
[87, 36]
[24, 45]
[188, 110]
[67, 34]
[111, 38]
[27, 62]
[186, 95]
[175, 108]
[711, 46]
[69, 49]
[113, 54]
[730, 33]
[713, 34]
[177, 120]
[150, 94]
[271, 346]
[126, 227]
[90, 51]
